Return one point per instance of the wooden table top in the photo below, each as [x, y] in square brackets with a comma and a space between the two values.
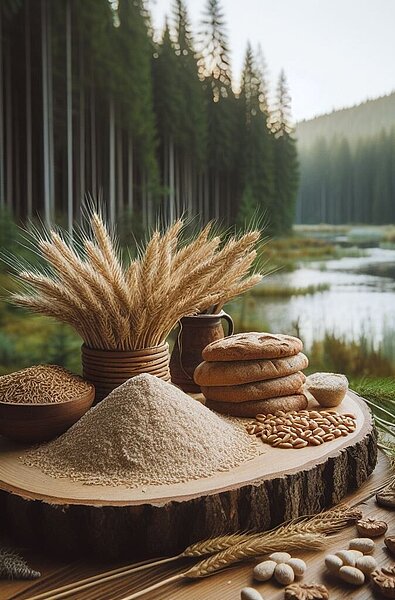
[222, 586]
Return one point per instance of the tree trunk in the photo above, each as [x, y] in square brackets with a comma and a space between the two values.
[200, 183]
[144, 199]
[72, 519]
[9, 117]
[51, 167]
[178, 185]
[17, 170]
[69, 92]
[82, 123]
[216, 196]
[172, 197]
[2, 199]
[206, 197]
[112, 161]
[93, 142]
[119, 171]
[130, 173]
[29, 170]
[44, 71]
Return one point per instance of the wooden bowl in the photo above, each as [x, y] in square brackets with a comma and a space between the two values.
[41, 422]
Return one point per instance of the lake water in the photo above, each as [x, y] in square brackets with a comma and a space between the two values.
[360, 301]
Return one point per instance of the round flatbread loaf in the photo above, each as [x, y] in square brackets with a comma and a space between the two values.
[263, 407]
[259, 390]
[252, 346]
[247, 371]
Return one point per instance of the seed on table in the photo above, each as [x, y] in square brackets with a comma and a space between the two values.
[249, 593]
[314, 414]
[328, 437]
[285, 445]
[301, 444]
[314, 441]
[333, 420]
[272, 438]
[318, 431]
[277, 442]
[352, 575]
[365, 545]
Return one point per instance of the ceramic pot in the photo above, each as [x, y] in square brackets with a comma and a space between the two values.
[194, 335]
[107, 369]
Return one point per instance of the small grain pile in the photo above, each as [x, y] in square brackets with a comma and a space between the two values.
[146, 432]
[42, 384]
[298, 429]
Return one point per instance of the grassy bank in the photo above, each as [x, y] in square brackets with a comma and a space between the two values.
[268, 290]
[285, 254]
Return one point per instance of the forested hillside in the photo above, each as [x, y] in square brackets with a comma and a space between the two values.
[363, 120]
[347, 165]
[92, 102]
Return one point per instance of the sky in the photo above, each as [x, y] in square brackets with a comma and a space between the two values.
[335, 53]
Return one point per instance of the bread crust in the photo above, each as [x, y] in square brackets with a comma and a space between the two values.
[251, 409]
[247, 371]
[252, 346]
[258, 390]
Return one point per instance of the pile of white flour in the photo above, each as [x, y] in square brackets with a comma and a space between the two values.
[146, 432]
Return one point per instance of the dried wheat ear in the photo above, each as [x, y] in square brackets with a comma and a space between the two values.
[114, 306]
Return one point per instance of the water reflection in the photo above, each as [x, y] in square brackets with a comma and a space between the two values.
[359, 303]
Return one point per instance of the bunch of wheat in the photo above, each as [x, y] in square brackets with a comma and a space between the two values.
[114, 307]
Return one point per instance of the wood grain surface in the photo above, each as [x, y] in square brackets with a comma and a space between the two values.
[222, 586]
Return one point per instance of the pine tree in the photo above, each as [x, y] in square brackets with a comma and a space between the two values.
[215, 71]
[168, 109]
[256, 147]
[192, 113]
[286, 175]
[248, 208]
[136, 78]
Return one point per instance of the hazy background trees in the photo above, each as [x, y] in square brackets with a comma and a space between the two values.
[347, 164]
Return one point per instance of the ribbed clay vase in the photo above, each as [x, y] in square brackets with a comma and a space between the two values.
[107, 369]
[194, 335]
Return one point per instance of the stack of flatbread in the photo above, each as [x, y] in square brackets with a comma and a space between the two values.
[250, 373]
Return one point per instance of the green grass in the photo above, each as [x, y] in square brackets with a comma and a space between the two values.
[285, 254]
[356, 359]
[267, 290]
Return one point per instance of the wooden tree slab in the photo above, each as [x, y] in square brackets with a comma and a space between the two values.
[113, 522]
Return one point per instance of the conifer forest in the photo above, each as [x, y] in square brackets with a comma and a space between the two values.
[93, 103]
[347, 165]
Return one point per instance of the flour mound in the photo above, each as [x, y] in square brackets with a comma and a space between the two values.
[146, 432]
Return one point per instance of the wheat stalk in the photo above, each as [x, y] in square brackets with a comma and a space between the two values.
[304, 533]
[130, 307]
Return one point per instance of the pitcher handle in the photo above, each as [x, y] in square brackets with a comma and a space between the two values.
[228, 318]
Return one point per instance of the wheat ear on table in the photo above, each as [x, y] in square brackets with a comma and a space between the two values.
[78, 586]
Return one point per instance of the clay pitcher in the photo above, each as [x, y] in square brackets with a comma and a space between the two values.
[193, 336]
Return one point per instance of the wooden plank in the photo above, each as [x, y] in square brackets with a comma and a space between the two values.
[225, 585]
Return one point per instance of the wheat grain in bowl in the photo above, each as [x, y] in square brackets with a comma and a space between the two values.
[329, 389]
[42, 384]
[41, 402]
